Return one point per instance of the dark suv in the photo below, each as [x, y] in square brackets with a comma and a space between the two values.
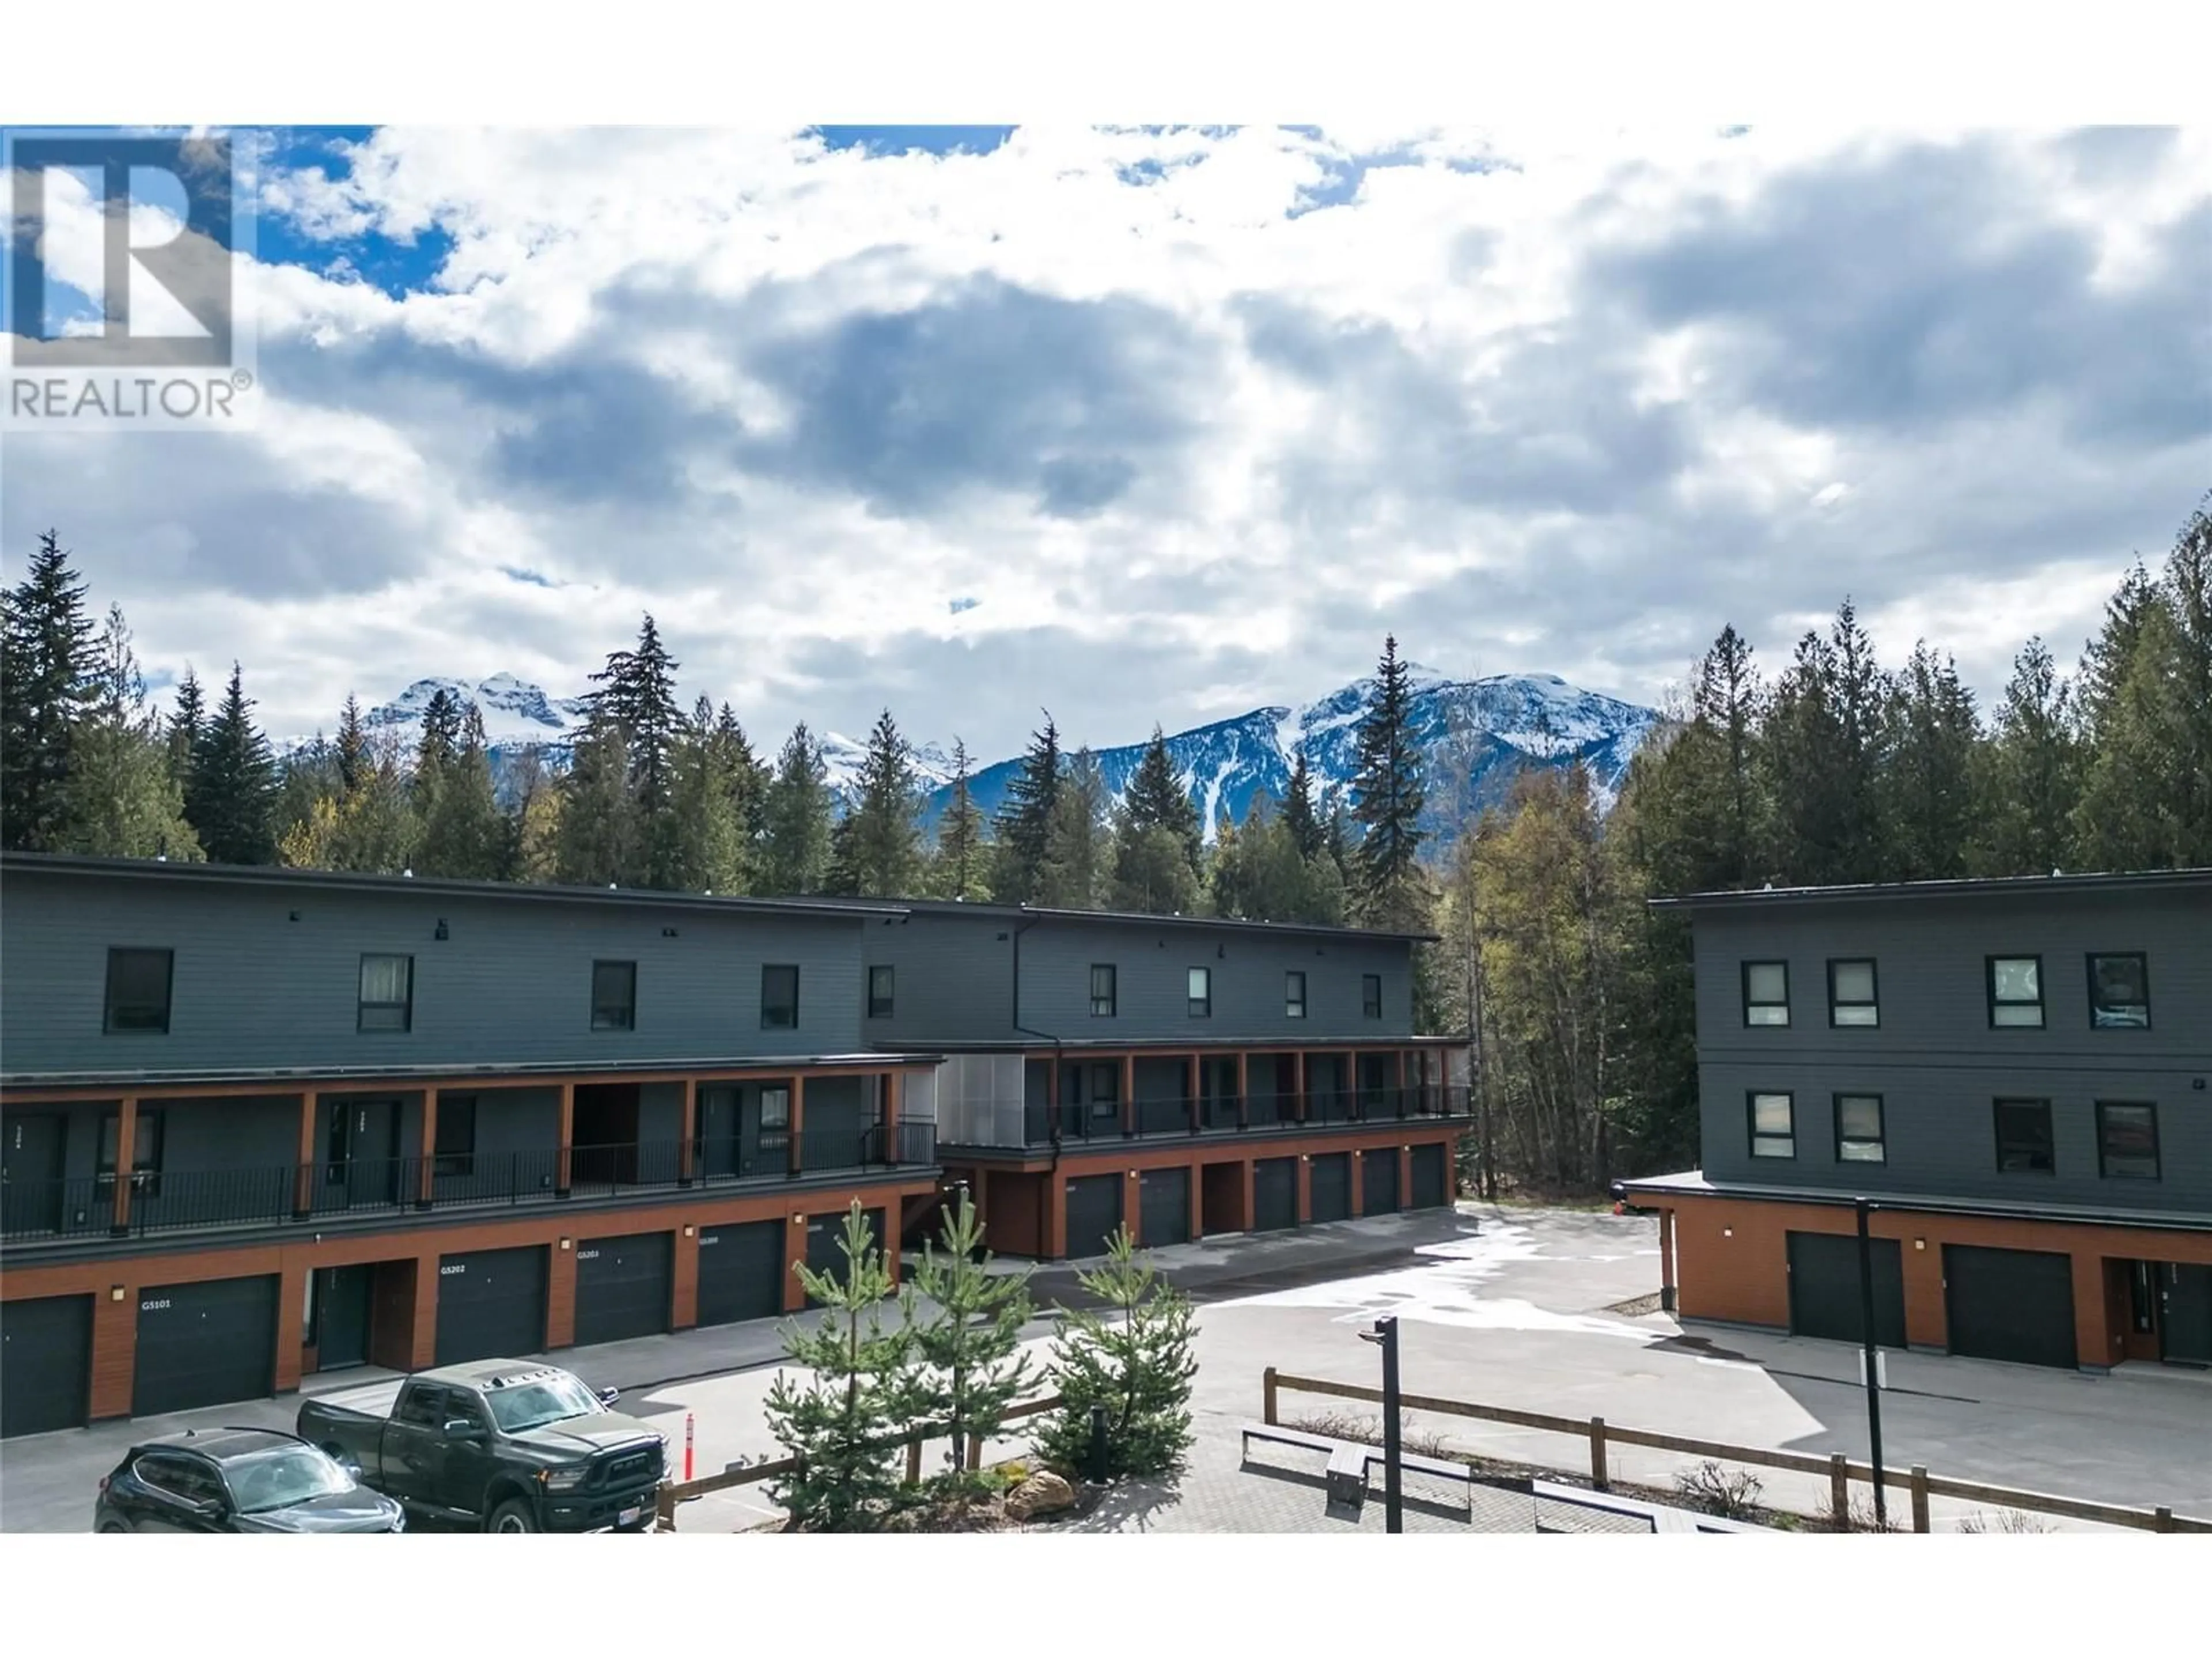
[238, 1480]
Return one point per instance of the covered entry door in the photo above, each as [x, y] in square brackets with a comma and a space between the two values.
[204, 1345]
[342, 1316]
[1329, 1196]
[491, 1304]
[741, 1268]
[1824, 1298]
[2184, 1313]
[625, 1287]
[2010, 1304]
[46, 1364]
[1094, 1211]
[360, 1155]
[1163, 1208]
[31, 1173]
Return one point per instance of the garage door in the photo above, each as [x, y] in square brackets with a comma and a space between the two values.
[625, 1287]
[1378, 1181]
[1824, 1298]
[491, 1304]
[1432, 1188]
[825, 1240]
[1274, 1193]
[45, 1363]
[204, 1345]
[741, 1268]
[2010, 1304]
[1163, 1208]
[1329, 1194]
[1094, 1211]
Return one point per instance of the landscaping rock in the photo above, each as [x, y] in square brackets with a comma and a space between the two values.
[1043, 1494]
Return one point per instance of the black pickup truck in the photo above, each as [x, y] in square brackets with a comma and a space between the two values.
[496, 1443]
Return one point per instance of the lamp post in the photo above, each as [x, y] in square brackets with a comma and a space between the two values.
[1385, 1335]
[1872, 1352]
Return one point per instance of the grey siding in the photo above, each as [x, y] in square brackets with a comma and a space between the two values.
[1935, 1059]
[510, 985]
[953, 979]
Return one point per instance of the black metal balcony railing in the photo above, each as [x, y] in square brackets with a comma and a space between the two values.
[1220, 1113]
[55, 1209]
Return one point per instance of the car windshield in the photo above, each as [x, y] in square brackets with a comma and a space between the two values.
[542, 1400]
[280, 1477]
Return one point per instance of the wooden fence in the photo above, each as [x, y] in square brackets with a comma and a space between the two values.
[670, 1493]
[1840, 1471]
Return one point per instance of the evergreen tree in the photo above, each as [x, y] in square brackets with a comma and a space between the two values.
[181, 734]
[1823, 744]
[717, 802]
[1299, 816]
[881, 832]
[637, 697]
[353, 746]
[1150, 870]
[963, 859]
[464, 832]
[794, 852]
[119, 801]
[1929, 771]
[597, 843]
[842, 1425]
[47, 680]
[1386, 887]
[533, 830]
[232, 797]
[1156, 799]
[971, 1339]
[2032, 772]
[304, 776]
[2188, 587]
[372, 827]
[1132, 1356]
[1025, 820]
[1074, 873]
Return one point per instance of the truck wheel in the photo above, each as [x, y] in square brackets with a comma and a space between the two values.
[513, 1516]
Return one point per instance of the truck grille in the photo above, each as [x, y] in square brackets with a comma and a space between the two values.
[631, 1468]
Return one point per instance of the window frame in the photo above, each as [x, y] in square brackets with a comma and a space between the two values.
[628, 1007]
[2090, 959]
[1751, 1099]
[1294, 993]
[1371, 996]
[1873, 1003]
[2041, 1005]
[459, 1161]
[1112, 997]
[1997, 1114]
[2104, 1171]
[1197, 1004]
[147, 1135]
[1879, 1140]
[363, 1007]
[780, 1123]
[1107, 1103]
[1744, 976]
[769, 1008]
[108, 1002]
[881, 1006]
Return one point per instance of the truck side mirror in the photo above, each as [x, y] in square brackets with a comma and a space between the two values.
[608, 1397]
[460, 1428]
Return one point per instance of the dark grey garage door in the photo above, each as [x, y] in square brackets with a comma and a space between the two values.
[1378, 1181]
[625, 1287]
[1824, 1298]
[741, 1268]
[2010, 1304]
[1328, 1186]
[1274, 1193]
[825, 1240]
[1094, 1211]
[1431, 1165]
[45, 1363]
[204, 1345]
[491, 1304]
[1163, 1208]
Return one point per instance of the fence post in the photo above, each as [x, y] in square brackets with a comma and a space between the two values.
[2161, 1519]
[1919, 1498]
[914, 1463]
[1839, 1491]
[1268, 1397]
[1597, 1454]
[975, 1453]
[663, 1508]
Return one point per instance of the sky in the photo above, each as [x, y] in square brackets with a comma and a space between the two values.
[1147, 425]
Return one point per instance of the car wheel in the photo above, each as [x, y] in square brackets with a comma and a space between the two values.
[111, 1527]
[513, 1516]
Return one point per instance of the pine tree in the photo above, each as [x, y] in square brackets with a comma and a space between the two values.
[354, 758]
[1929, 772]
[2032, 772]
[842, 1425]
[1824, 740]
[716, 804]
[1132, 1356]
[599, 840]
[882, 835]
[795, 820]
[232, 797]
[1299, 816]
[959, 871]
[637, 697]
[1156, 799]
[46, 668]
[1074, 873]
[181, 734]
[465, 834]
[2188, 586]
[1386, 886]
[1025, 820]
[533, 830]
[372, 827]
[119, 801]
[970, 1340]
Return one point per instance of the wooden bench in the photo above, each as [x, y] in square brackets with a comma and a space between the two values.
[1351, 1463]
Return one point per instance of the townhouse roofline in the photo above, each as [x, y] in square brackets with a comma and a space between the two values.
[358, 1078]
[915, 907]
[1276, 1044]
[1975, 887]
[1693, 1184]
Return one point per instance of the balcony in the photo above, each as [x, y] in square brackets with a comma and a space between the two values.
[1261, 1114]
[287, 1195]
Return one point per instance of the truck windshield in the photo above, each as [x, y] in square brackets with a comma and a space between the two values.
[542, 1400]
[280, 1477]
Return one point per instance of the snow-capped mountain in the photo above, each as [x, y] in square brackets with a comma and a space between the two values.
[516, 713]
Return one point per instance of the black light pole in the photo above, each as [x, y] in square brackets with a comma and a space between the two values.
[1386, 1333]
[1873, 1355]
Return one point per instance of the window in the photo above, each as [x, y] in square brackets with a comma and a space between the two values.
[614, 996]
[138, 991]
[1101, 990]
[775, 1107]
[1766, 993]
[1103, 1090]
[2127, 1139]
[1771, 1132]
[780, 996]
[422, 1406]
[2119, 993]
[2024, 1138]
[387, 994]
[2016, 991]
[1371, 996]
[456, 1151]
[186, 1478]
[145, 1150]
[1851, 992]
[1201, 991]
[1858, 1129]
[1294, 995]
[880, 980]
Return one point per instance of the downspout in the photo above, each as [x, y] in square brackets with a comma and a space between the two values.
[1053, 1093]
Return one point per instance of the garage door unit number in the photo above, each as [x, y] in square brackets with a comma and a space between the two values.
[447, 1269]
[154, 1306]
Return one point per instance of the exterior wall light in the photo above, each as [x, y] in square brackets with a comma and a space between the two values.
[687, 1230]
[1919, 1244]
[564, 1244]
[115, 1293]
[1727, 1232]
[441, 932]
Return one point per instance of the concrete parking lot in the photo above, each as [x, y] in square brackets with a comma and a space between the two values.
[1503, 1307]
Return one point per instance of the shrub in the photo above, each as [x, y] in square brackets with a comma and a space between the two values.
[1716, 1489]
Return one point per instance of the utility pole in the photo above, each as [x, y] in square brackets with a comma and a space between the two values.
[1385, 1335]
[1872, 1353]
